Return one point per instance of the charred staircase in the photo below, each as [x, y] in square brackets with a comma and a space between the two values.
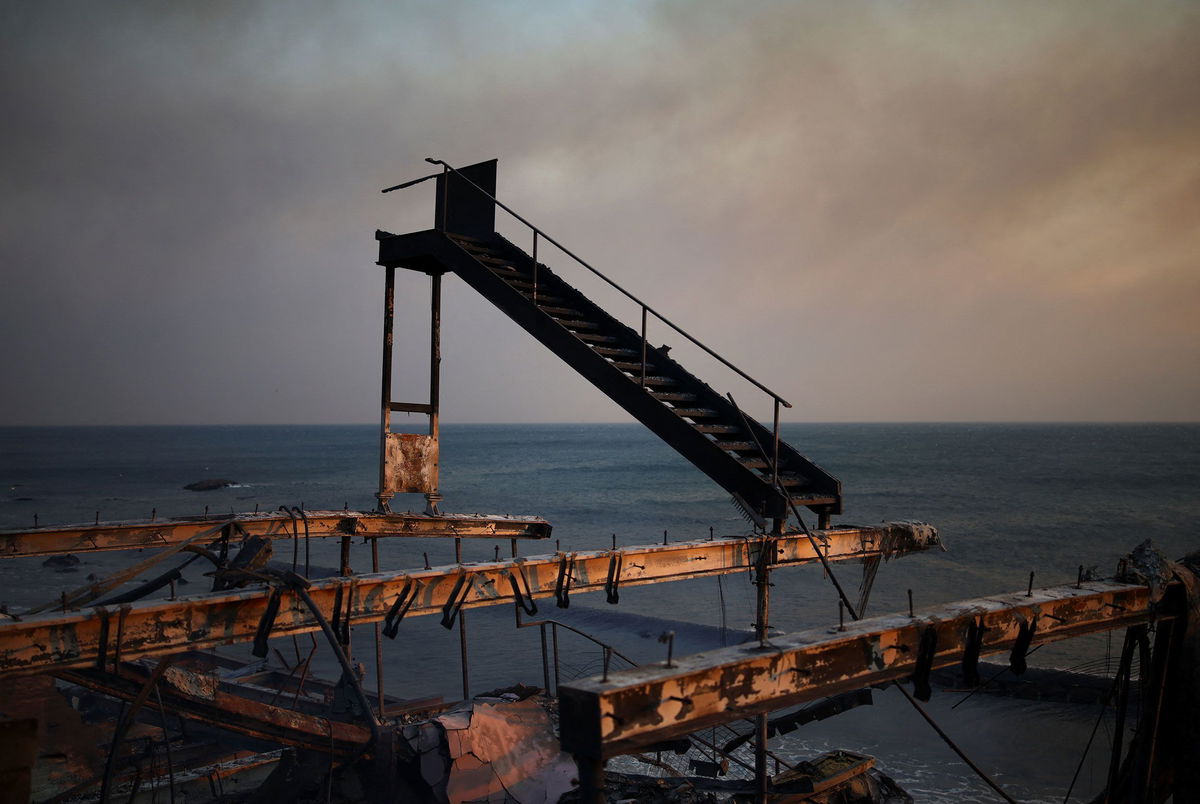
[765, 475]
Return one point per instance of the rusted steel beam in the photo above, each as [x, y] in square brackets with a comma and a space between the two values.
[651, 703]
[202, 698]
[99, 634]
[274, 525]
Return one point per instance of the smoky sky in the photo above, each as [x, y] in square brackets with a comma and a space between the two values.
[885, 211]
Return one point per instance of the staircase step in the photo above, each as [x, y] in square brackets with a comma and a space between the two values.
[701, 419]
[697, 413]
[615, 351]
[478, 250]
[717, 428]
[542, 297]
[491, 261]
[557, 311]
[636, 368]
[738, 446]
[571, 323]
[813, 499]
[673, 396]
[593, 337]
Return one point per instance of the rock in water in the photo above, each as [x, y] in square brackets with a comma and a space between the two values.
[210, 485]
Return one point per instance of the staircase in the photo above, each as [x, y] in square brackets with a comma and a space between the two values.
[702, 425]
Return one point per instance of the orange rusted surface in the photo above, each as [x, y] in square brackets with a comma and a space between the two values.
[103, 634]
[274, 525]
[648, 704]
[411, 462]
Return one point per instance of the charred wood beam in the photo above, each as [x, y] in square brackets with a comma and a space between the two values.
[651, 703]
[101, 635]
[273, 525]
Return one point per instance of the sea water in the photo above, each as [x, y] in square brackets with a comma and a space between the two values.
[1008, 499]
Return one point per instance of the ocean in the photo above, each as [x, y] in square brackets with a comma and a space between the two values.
[1008, 499]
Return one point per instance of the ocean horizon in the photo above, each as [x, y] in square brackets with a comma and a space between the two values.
[1007, 498]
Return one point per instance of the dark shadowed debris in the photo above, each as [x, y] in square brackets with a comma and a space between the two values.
[212, 484]
[63, 563]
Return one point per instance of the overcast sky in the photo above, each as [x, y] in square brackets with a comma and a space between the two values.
[886, 211]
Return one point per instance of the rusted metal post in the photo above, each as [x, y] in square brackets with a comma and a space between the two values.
[389, 312]
[444, 184]
[462, 634]
[763, 583]
[643, 346]
[761, 777]
[545, 661]
[775, 448]
[378, 642]
[554, 642]
[591, 779]
[1122, 681]
[435, 373]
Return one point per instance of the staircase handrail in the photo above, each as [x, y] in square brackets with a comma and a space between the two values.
[645, 307]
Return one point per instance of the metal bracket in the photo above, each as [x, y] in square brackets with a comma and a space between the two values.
[1020, 648]
[925, 654]
[400, 607]
[265, 624]
[458, 596]
[522, 597]
[562, 587]
[970, 660]
[611, 591]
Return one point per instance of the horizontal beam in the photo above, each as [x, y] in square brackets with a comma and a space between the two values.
[200, 699]
[100, 634]
[274, 525]
[652, 703]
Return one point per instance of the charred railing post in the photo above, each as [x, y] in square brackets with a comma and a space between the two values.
[464, 660]
[591, 780]
[775, 447]
[761, 627]
[643, 380]
[379, 686]
[389, 312]
[433, 497]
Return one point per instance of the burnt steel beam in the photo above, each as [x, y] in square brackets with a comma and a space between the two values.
[273, 525]
[106, 634]
[652, 703]
[200, 698]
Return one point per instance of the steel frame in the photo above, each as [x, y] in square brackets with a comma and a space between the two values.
[274, 525]
[112, 634]
[652, 703]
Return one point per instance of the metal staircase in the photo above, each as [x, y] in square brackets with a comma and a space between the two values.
[765, 475]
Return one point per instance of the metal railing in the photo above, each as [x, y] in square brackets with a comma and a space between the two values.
[646, 309]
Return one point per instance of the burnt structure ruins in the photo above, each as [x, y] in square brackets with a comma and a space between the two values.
[155, 653]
